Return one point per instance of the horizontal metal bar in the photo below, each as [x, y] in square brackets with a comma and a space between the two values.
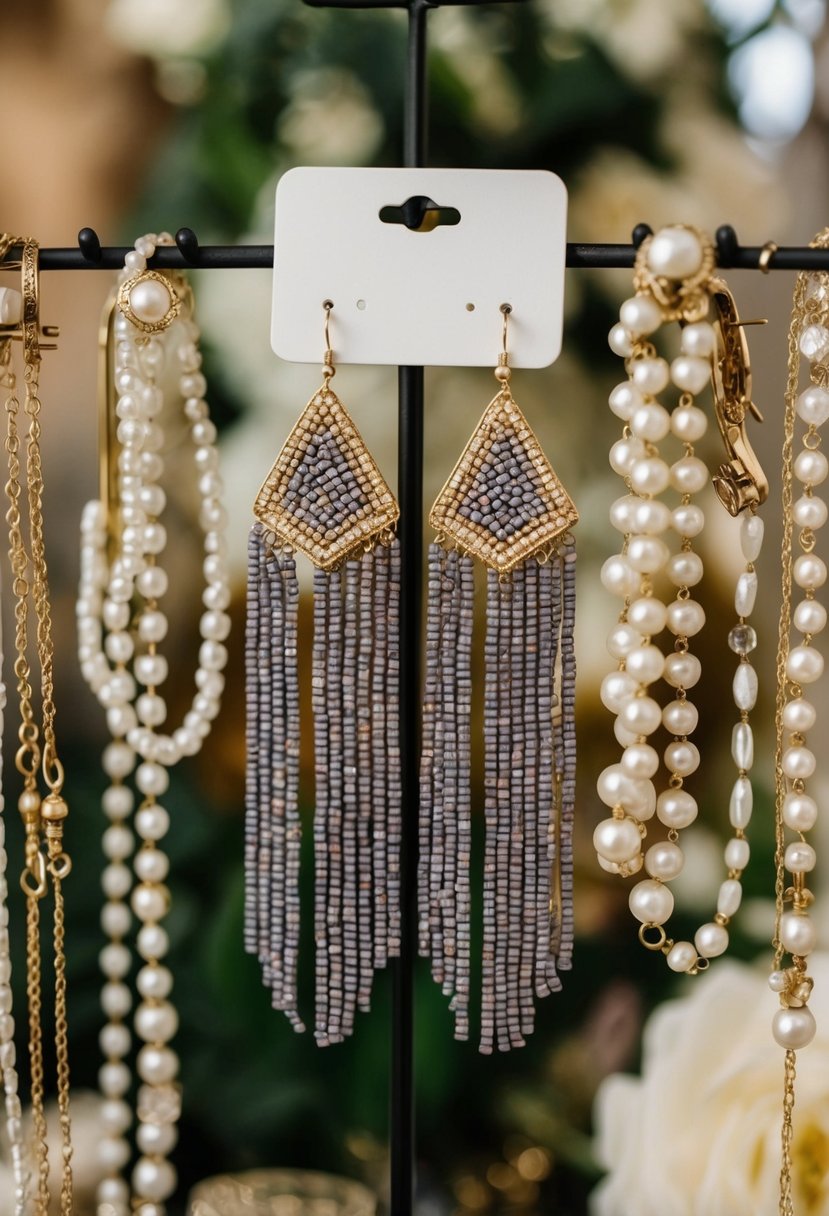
[249, 257]
[401, 3]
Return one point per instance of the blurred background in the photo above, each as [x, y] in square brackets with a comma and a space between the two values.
[142, 115]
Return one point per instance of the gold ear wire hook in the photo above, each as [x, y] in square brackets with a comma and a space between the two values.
[740, 483]
[328, 369]
[503, 371]
[107, 423]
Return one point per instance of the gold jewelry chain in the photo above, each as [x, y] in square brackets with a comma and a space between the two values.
[46, 816]
[784, 690]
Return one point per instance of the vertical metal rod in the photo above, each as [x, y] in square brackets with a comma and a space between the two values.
[410, 492]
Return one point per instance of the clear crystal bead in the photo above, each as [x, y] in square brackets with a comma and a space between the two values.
[814, 342]
[742, 639]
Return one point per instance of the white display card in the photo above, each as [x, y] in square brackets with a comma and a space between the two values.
[419, 297]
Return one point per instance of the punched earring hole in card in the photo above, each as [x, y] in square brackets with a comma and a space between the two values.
[492, 236]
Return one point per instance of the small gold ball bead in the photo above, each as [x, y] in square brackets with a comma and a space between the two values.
[54, 808]
[503, 373]
[29, 802]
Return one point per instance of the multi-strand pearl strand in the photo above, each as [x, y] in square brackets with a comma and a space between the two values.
[8, 1057]
[643, 519]
[794, 1023]
[148, 303]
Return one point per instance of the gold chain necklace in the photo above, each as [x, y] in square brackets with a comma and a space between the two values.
[43, 818]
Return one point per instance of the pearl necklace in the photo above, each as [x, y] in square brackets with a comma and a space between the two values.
[798, 665]
[148, 303]
[673, 280]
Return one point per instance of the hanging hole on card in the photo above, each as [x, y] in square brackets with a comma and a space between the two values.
[361, 304]
[420, 214]
[470, 307]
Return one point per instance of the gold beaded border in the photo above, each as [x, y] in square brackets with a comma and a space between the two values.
[141, 276]
[325, 410]
[478, 541]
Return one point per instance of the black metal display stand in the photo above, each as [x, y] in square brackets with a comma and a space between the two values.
[89, 255]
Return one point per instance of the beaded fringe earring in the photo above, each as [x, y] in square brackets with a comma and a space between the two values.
[326, 498]
[504, 505]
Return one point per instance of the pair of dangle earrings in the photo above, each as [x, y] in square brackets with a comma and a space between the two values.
[503, 505]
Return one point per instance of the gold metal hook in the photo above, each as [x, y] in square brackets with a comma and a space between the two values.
[766, 254]
[28, 329]
[107, 421]
[328, 369]
[740, 483]
[506, 309]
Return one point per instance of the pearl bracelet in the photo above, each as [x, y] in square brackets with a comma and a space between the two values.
[674, 282]
[149, 304]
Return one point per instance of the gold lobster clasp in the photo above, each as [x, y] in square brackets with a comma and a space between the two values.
[740, 482]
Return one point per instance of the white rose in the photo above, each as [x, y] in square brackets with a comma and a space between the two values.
[698, 1134]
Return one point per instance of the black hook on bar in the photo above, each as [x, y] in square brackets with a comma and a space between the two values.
[188, 245]
[727, 245]
[639, 233]
[90, 245]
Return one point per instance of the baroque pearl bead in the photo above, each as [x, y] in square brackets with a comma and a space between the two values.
[156, 1139]
[685, 618]
[800, 857]
[744, 686]
[645, 663]
[650, 422]
[640, 315]
[664, 860]
[651, 375]
[639, 761]
[647, 554]
[751, 536]
[809, 511]
[685, 569]
[682, 758]
[648, 615]
[676, 808]
[650, 516]
[680, 717]
[651, 902]
[741, 803]
[642, 715]
[742, 745]
[809, 571]
[798, 934]
[809, 617]
[711, 940]
[689, 423]
[737, 853]
[620, 342]
[799, 715]
[622, 639]
[814, 342]
[616, 690]
[799, 812]
[617, 840]
[798, 763]
[813, 405]
[682, 956]
[811, 467]
[682, 670]
[729, 897]
[157, 1065]
[650, 475]
[691, 373]
[688, 520]
[745, 593]
[698, 338]
[794, 1028]
[154, 1179]
[804, 665]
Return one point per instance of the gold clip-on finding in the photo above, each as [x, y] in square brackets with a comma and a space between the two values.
[740, 482]
[20, 310]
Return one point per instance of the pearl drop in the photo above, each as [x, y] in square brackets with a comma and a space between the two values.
[809, 511]
[650, 516]
[156, 1023]
[691, 373]
[751, 536]
[741, 803]
[688, 520]
[798, 763]
[621, 512]
[152, 822]
[664, 860]
[649, 476]
[813, 404]
[729, 898]
[794, 1028]
[737, 853]
[645, 663]
[639, 761]
[744, 686]
[799, 812]
[676, 809]
[814, 342]
[682, 670]
[650, 422]
[745, 593]
[742, 745]
[640, 315]
[624, 399]
[698, 338]
[682, 758]
[800, 857]
[804, 665]
[685, 569]
[809, 571]
[711, 940]
[680, 717]
[156, 1139]
[617, 840]
[651, 902]
[622, 639]
[651, 375]
[811, 467]
[675, 253]
[619, 341]
[153, 1179]
[642, 715]
[648, 615]
[798, 933]
[689, 475]
[685, 618]
[809, 617]
[682, 956]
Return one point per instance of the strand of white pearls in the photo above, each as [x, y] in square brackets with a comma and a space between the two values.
[134, 719]
[627, 788]
[794, 1023]
[21, 1173]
